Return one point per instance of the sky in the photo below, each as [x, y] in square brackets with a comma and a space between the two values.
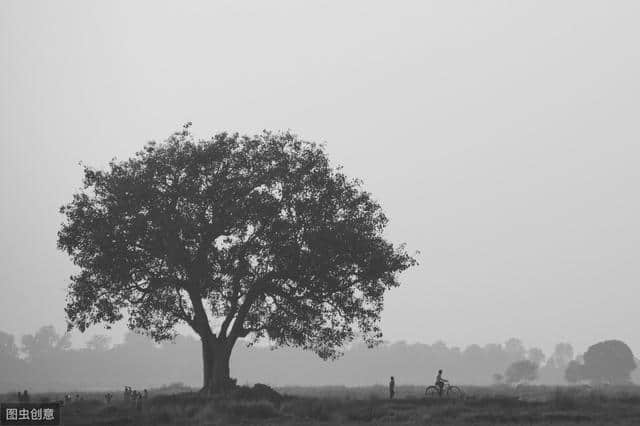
[501, 139]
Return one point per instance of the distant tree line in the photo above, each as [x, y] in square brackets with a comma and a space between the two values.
[46, 361]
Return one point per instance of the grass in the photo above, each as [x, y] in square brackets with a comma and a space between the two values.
[535, 405]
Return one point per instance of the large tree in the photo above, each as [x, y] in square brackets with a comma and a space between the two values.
[236, 236]
[45, 342]
[610, 361]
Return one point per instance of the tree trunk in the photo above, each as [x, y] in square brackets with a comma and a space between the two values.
[215, 362]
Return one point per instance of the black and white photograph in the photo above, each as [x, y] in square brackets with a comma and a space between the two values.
[360, 212]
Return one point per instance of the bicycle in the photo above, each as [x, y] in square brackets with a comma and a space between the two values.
[448, 390]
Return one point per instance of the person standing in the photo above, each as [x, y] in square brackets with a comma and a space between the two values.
[392, 388]
[138, 400]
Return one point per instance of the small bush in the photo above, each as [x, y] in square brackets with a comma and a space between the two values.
[258, 392]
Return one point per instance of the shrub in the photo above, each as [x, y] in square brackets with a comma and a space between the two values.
[258, 392]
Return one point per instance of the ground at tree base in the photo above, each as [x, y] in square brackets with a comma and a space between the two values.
[482, 406]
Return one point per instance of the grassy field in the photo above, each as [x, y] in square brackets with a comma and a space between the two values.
[349, 406]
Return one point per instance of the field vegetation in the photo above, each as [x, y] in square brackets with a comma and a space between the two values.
[522, 405]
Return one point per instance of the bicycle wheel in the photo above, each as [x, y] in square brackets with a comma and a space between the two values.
[455, 392]
[432, 392]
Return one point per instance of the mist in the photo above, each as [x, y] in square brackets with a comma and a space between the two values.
[45, 361]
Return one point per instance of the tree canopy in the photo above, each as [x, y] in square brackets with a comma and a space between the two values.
[235, 236]
[44, 342]
[521, 371]
[610, 361]
[8, 348]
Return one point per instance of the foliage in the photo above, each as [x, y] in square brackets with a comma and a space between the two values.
[574, 372]
[259, 391]
[258, 232]
[138, 362]
[610, 361]
[562, 354]
[8, 348]
[535, 355]
[568, 405]
[515, 348]
[521, 371]
[99, 342]
[44, 342]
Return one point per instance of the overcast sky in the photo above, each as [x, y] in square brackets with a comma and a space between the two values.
[501, 138]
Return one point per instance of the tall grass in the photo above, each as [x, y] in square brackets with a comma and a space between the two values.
[523, 406]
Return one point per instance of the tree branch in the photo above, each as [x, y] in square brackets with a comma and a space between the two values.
[260, 285]
[182, 312]
[201, 320]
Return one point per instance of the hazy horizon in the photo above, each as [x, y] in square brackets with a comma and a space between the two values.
[499, 137]
[140, 363]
